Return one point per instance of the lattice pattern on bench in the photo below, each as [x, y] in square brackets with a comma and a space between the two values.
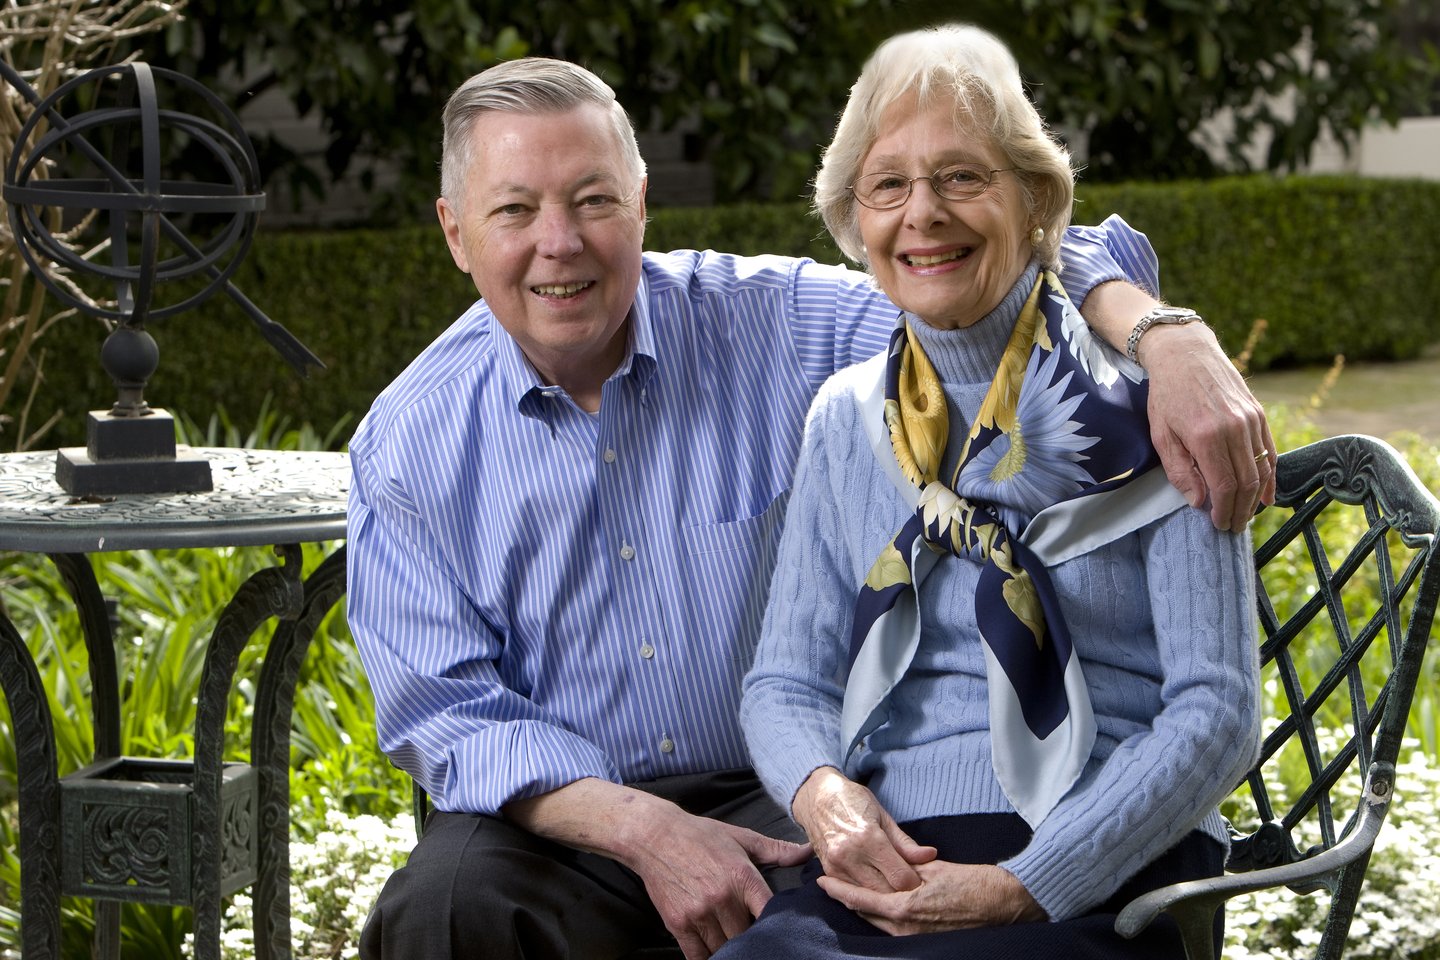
[1340, 662]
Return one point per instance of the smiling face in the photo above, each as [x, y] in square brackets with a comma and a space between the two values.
[950, 262]
[550, 228]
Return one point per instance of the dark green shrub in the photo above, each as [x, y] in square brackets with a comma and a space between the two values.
[1333, 264]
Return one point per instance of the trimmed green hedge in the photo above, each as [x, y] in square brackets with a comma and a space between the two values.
[1335, 265]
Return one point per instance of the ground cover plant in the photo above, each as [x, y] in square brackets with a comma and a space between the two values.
[351, 823]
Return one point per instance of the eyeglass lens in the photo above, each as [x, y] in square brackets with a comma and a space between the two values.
[960, 181]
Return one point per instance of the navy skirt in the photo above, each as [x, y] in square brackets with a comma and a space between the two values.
[806, 924]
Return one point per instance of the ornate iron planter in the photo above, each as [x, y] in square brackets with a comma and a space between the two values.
[130, 830]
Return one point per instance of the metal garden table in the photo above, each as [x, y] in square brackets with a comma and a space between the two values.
[153, 830]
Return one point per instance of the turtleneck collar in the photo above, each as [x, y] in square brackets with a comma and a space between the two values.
[972, 354]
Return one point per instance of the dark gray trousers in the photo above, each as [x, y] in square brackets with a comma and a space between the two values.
[477, 888]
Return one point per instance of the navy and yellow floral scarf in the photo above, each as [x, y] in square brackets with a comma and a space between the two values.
[1059, 422]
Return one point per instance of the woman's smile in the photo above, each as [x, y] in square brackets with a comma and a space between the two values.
[919, 259]
[949, 262]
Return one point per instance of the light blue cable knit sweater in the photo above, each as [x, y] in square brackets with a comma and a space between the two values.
[1162, 621]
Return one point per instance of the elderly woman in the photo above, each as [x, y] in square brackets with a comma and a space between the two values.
[1006, 674]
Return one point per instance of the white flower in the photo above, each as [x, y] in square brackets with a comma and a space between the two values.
[1096, 357]
[1038, 462]
[334, 880]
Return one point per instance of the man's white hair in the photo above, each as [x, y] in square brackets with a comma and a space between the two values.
[530, 85]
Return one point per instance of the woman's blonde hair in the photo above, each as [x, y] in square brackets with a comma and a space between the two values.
[979, 74]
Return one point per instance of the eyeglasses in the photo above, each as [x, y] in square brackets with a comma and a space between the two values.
[959, 181]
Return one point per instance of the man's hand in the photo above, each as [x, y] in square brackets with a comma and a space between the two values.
[855, 839]
[1210, 432]
[702, 878]
[701, 874]
[951, 896]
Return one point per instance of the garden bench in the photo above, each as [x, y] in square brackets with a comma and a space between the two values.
[1346, 588]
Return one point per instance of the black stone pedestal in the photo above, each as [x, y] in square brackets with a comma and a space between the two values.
[126, 455]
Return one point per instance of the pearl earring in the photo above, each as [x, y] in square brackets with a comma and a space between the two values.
[1036, 236]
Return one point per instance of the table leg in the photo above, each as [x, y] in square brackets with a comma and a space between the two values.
[270, 754]
[39, 796]
[276, 591]
[79, 579]
[78, 576]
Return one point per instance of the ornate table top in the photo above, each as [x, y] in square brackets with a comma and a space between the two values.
[260, 497]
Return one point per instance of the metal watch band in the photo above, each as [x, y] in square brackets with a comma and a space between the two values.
[1158, 315]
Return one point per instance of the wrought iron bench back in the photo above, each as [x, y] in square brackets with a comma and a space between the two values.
[1347, 578]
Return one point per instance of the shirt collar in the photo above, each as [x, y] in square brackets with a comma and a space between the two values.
[640, 359]
[525, 387]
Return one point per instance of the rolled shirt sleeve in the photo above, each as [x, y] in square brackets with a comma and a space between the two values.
[1111, 251]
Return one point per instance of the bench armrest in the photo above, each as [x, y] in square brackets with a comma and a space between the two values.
[1193, 902]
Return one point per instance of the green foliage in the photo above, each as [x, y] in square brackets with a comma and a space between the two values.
[1334, 264]
[272, 431]
[1140, 77]
[748, 229]
[761, 79]
[759, 83]
[375, 73]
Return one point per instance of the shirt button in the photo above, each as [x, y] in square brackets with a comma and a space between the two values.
[647, 651]
[667, 745]
[627, 552]
[609, 456]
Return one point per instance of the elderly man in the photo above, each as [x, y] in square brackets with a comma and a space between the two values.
[564, 520]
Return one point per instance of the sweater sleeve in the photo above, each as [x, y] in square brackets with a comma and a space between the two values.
[792, 696]
[1161, 781]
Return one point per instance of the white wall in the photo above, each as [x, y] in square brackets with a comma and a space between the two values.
[1410, 150]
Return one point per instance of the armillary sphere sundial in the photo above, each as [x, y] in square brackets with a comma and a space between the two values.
[131, 447]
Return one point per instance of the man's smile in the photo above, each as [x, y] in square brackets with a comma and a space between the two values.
[561, 291]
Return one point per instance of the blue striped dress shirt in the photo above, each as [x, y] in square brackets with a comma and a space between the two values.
[541, 594]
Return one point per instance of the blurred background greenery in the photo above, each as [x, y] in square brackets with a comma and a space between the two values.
[1291, 270]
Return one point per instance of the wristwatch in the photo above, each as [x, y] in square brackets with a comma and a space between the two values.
[1158, 315]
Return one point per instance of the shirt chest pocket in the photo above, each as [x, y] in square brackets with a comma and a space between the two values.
[729, 567]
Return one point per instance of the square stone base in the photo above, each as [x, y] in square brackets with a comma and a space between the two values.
[125, 455]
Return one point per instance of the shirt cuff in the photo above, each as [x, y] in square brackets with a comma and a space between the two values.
[787, 746]
[1059, 882]
[515, 760]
